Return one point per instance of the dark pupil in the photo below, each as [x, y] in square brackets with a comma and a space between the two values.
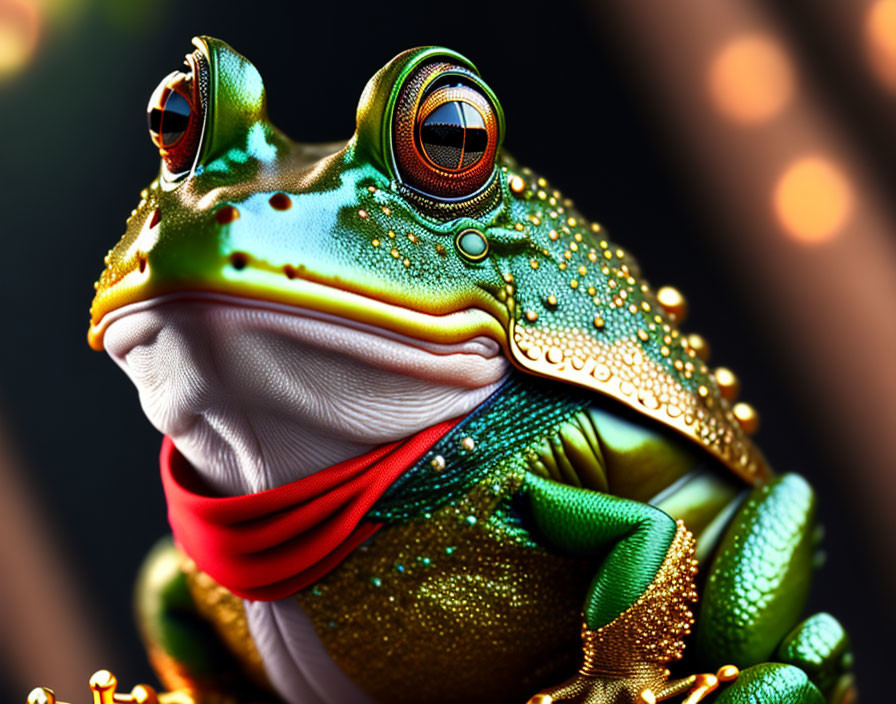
[169, 122]
[454, 136]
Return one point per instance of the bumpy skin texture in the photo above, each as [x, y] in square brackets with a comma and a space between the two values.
[542, 489]
[772, 683]
[563, 299]
[820, 647]
[475, 601]
[759, 579]
[587, 522]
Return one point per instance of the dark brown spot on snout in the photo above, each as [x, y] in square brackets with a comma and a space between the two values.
[280, 201]
[226, 214]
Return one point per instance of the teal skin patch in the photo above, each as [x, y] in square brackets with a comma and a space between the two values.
[500, 435]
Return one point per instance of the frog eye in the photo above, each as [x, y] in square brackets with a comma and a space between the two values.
[445, 132]
[175, 119]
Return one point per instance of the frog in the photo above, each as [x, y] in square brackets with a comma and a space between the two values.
[430, 435]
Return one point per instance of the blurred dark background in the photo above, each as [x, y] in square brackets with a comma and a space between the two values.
[744, 152]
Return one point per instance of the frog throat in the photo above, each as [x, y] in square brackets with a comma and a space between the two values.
[269, 545]
[256, 396]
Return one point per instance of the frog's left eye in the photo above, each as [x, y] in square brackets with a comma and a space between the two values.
[445, 132]
[175, 118]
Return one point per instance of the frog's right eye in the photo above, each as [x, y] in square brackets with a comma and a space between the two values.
[175, 119]
[446, 130]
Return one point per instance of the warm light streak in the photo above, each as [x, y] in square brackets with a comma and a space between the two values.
[812, 199]
[880, 37]
[18, 35]
[750, 79]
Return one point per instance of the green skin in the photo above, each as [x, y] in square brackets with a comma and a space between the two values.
[760, 561]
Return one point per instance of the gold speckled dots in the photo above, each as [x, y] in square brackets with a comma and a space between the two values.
[652, 630]
[456, 606]
[628, 656]
[622, 369]
[602, 327]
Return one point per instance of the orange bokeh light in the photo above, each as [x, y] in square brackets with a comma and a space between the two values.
[880, 35]
[750, 79]
[812, 199]
[18, 35]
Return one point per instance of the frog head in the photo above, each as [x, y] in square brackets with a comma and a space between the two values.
[399, 228]
[419, 230]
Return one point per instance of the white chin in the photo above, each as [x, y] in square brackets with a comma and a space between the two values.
[259, 395]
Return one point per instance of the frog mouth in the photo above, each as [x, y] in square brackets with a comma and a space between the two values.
[471, 362]
[307, 296]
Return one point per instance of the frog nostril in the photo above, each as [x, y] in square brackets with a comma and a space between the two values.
[239, 260]
[141, 262]
[280, 201]
[155, 219]
[290, 271]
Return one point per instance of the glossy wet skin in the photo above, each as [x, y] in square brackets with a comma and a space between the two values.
[264, 217]
[373, 232]
[305, 267]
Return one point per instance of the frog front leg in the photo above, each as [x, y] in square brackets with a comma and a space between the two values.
[190, 657]
[636, 611]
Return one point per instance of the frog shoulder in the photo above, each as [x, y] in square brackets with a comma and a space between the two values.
[581, 312]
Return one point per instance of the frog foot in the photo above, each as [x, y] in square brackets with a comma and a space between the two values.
[624, 661]
[586, 688]
[103, 684]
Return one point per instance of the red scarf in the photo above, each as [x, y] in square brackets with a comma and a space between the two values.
[269, 545]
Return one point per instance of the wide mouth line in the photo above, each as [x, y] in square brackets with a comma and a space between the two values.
[483, 345]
